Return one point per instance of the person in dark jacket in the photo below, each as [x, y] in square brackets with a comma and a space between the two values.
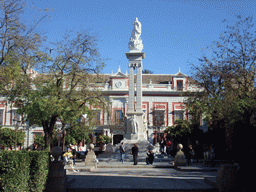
[122, 152]
[150, 158]
[135, 152]
[74, 156]
[190, 154]
[162, 146]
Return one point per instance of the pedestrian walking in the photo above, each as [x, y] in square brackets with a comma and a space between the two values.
[190, 154]
[198, 151]
[122, 152]
[168, 147]
[135, 152]
[150, 158]
[162, 146]
[212, 155]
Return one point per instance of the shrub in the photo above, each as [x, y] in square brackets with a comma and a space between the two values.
[23, 170]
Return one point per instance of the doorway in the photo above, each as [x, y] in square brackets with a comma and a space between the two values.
[117, 139]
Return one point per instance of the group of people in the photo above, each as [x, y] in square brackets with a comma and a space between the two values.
[70, 158]
[135, 151]
[165, 146]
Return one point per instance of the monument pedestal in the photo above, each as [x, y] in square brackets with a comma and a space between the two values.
[90, 160]
[138, 132]
[180, 159]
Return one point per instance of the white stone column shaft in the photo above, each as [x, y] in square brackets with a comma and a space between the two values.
[130, 107]
[139, 88]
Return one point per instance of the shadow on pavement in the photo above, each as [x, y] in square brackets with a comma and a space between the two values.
[94, 183]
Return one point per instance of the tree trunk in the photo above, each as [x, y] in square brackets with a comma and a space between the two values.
[48, 131]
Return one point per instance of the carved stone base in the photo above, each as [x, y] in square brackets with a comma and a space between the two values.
[90, 160]
[180, 159]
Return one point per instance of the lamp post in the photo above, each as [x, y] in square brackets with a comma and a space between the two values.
[17, 124]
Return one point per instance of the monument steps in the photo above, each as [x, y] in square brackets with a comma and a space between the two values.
[112, 153]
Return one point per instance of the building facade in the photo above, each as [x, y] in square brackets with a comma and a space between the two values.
[163, 99]
[162, 103]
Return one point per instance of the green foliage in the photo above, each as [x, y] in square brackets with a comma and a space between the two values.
[100, 139]
[62, 85]
[23, 170]
[146, 71]
[39, 141]
[226, 77]
[70, 140]
[8, 137]
[181, 129]
[80, 132]
[38, 170]
[104, 139]
[19, 46]
[107, 139]
[14, 170]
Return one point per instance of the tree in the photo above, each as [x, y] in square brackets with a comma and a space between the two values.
[146, 71]
[39, 141]
[8, 137]
[19, 45]
[227, 78]
[180, 131]
[63, 86]
[80, 133]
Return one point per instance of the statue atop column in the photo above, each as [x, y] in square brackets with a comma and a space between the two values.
[135, 43]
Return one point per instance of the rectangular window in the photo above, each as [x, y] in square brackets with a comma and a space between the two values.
[15, 115]
[118, 117]
[1, 116]
[178, 115]
[97, 118]
[179, 85]
[159, 118]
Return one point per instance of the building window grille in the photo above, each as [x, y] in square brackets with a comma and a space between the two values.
[97, 118]
[118, 117]
[179, 85]
[15, 115]
[178, 115]
[159, 118]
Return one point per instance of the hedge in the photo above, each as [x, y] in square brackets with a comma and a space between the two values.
[23, 170]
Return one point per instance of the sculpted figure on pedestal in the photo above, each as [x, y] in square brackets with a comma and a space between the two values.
[136, 29]
[134, 124]
[135, 43]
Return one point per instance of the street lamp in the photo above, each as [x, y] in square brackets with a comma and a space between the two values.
[17, 124]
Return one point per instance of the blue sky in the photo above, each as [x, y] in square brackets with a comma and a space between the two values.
[174, 32]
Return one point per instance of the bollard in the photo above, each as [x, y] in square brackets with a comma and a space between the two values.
[57, 179]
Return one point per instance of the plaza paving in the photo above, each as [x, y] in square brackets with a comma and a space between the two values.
[115, 176]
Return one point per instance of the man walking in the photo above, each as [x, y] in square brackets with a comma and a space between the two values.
[122, 152]
[135, 152]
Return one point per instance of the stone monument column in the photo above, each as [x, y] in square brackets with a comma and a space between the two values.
[139, 88]
[135, 127]
[130, 107]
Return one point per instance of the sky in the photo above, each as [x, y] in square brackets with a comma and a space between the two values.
[174, 32]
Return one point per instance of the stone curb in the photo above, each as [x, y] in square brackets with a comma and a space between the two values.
[196, 169]
[122, 166]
